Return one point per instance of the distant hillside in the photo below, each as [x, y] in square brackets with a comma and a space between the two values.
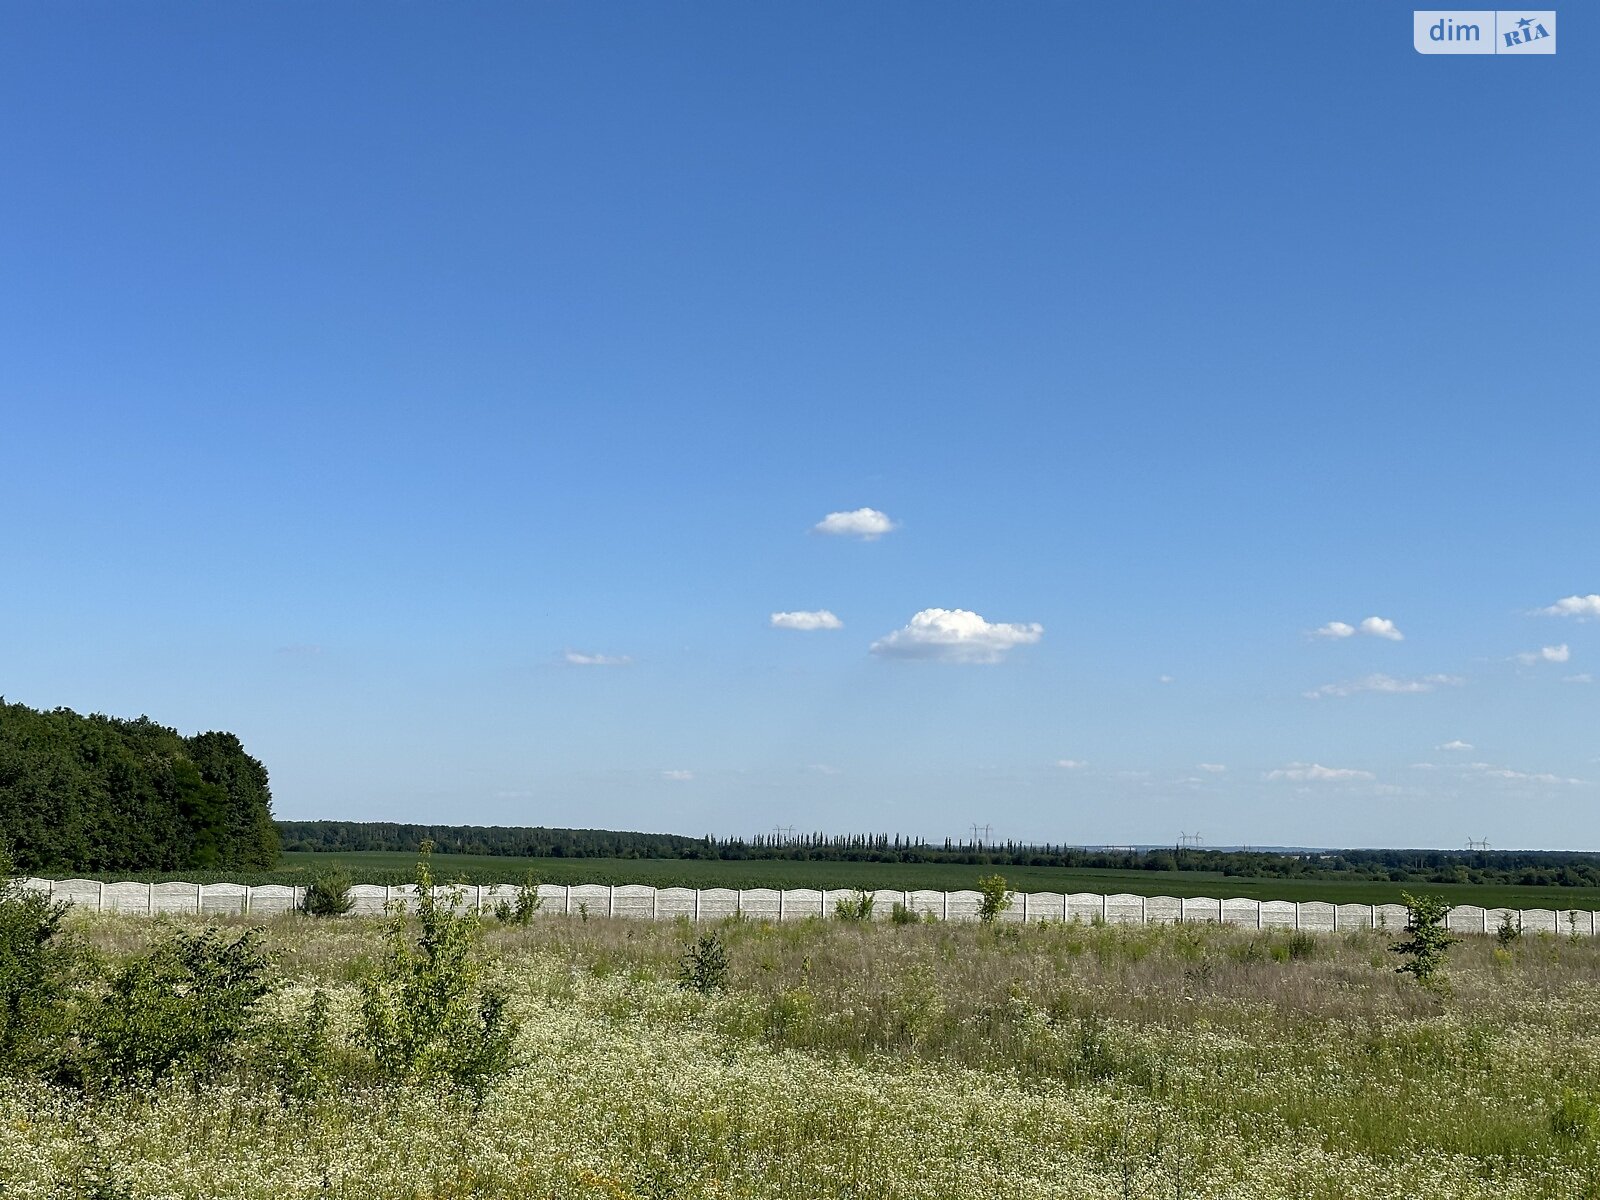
[95, 793]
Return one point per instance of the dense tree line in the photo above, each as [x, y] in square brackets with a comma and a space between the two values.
[95, 793]
[1526, 867]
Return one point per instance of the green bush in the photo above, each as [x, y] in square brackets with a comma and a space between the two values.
[428, 1012]
[1510, 928]
[522, 907]
[328, 896]
[37, 966]
[855, 907]
[183, 1008]
[995, 899]
[704, 966]
[1430, 940]
[903, 914]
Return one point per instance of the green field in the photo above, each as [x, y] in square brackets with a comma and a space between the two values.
[386, 867]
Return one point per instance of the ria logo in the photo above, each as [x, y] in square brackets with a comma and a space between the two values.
[1528, 30]
[1484, 31]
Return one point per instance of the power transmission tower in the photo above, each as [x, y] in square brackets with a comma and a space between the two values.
[1477, 843]
[1190, 841]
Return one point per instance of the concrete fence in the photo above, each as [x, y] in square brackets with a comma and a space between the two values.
[796, 904]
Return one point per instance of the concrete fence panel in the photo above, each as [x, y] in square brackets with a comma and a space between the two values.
[1202, 909]
[1468, 918]
[1086, 906]
[1163, 910]
[884, 900]
[962, 905]
[633, 900]
[674, 902]
[1318, 916]
[759, 904]
[800, 903]
[1279, 914]
[223, 899]
[718, 903]
[1353, 916]
[1237, 910]
[1392, 917]
[1045, 906]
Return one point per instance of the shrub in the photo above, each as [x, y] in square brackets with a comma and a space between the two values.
[995, 899]
[37, 966]
[704, 965]
[183, 1008]
[328, 895]
[1510, 927]
[520, 909]
[299, 1053]
[903, 914]
[855, 907]
[1430, 941]
[427, 1012]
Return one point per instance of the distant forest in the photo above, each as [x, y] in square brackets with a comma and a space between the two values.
[95, 793]
[1527, 867]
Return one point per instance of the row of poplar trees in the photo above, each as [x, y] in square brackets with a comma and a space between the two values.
[97, 794]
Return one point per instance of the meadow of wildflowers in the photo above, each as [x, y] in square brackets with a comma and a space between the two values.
[876, 1062]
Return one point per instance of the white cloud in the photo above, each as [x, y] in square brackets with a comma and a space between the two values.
[574, 658]
[1071, 764]
[1387, 684]
[820, 619]
[1555, 654]
[1211, 768]
[1582, 607]
[1382, 627]
[1373, 627]
[1457, 744]
[1496, 772]
[1164, 679]
[955, 635]
[867, 524]
[1585, 677]
[678, 776]
[1317, 773]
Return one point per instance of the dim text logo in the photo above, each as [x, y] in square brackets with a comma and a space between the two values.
[1484, 31]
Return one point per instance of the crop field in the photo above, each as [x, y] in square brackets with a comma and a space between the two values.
[397, 867]
[859, 1061]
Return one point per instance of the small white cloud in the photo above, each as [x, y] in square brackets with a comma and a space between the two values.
[1550, 654]
[1386, 684]
[1585, 677]
[820, 619]
[574, 658]
[1071, 764]
[1457, 744]
[1382, 627]
[955, 635]
[1373, 627]
[1582, 607]
[1164, 679]
[678, 776]
[1317, 773]
[1210, 768]
[868, 524]
[1496, 772]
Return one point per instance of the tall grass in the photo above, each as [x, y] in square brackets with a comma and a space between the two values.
[926, 1062]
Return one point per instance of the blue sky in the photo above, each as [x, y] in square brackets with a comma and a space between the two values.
[366, 367]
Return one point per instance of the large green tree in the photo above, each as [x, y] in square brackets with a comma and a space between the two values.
[95, 793]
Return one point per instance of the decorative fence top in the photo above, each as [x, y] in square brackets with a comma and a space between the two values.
[795, 904]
